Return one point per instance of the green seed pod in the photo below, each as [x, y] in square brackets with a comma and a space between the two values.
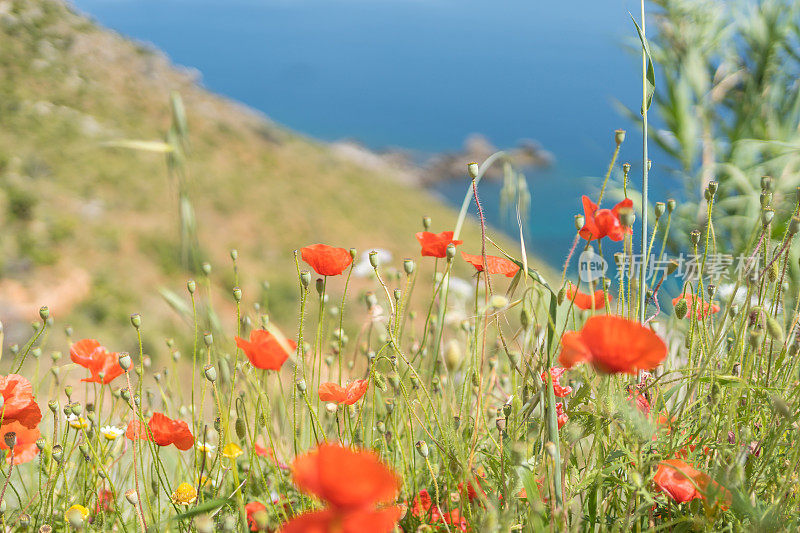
[389, 404]
[208, 338]
[627, 217]
[694, 236]
[57, 453]
[422, 448]
[237, 294]
[374, 259]
[136, 320]
[671, 205]
[659, 209]
[450, 251]
[210, 373]
[733, 311]
[766, 217]
[681, 308]
[473, 169]
[44, 313]
[398, 295]
[580, 221]
[426, 223]
[712, 187]
[191, 286]
[305, 278]
[774, 330]
[301, 385]
[619, 136]
[234, 254]
[408, 266]
[125, 361]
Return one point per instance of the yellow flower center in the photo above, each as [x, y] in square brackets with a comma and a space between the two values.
[231, 450]
[185, 494]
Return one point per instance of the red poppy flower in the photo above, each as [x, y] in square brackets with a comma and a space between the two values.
[251, 509]
[561, 415]
[601, 223]
[269, 453]
[494, 264]
[472, 492]
[326, 260]
[25, 450]
[164, 430]
[681, 482]
[264, 351]
[702, 309]
[331, 392]
[105, 501]
[612, 345]
[18, 402]
[587, 301]
[641, 402]
[435, 244]
[557, 372]
[89, 354]
[352, 483]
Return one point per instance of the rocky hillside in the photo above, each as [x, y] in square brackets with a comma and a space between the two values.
[92, 231]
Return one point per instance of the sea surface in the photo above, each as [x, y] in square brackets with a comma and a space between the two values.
[422, 75]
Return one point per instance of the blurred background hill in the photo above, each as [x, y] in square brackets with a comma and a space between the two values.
[91, 230]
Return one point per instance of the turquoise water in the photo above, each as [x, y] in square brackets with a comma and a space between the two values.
[421, 75]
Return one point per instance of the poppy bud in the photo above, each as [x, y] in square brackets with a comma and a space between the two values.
[694, 236]
[580, 221]
[191, 286]
[125, 361]
[498, 301]
[794, 225]
[320, 286]
[659, 209]
[450, 251]
[681, 308]
[765, 198]
[408, 266]
[373, 259]
[237, 294]
[619, 136]
[210, 373]
[766, 217]
[766, 183]
[44, 313]
[422, 448]
[525, 318]
[305, 278]
[452, 355]
[426, 223]
[241, 429]
[136, 320]
[774, 330]
[208, 338]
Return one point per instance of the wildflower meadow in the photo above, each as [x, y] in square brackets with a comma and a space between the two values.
[647, 386]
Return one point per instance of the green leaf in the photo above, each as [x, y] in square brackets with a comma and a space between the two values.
[650, 73]
[203, 508]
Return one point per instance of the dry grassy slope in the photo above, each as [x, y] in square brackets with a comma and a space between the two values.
[94, 228]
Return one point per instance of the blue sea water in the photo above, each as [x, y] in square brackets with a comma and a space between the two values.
[422, 75]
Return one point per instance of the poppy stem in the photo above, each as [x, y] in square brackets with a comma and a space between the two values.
[645, 163]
